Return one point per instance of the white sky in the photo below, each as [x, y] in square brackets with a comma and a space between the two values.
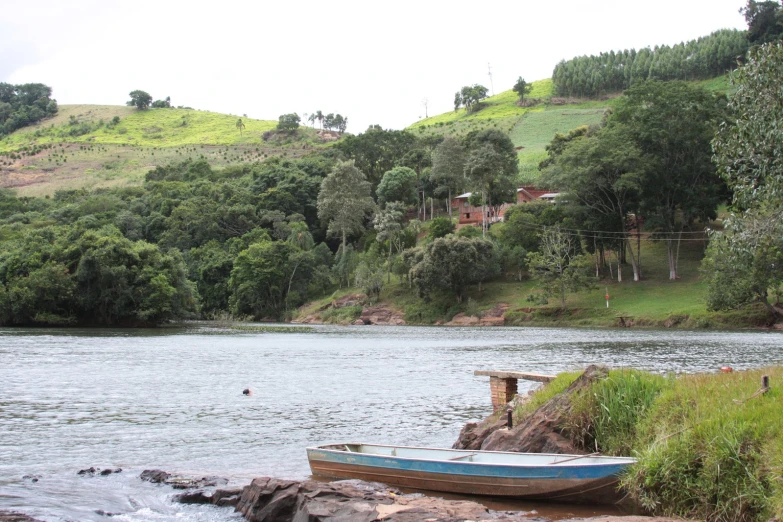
[374, 62]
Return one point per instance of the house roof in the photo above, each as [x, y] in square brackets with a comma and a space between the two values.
[466, 195]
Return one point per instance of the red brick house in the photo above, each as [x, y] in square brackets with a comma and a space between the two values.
[472, 215]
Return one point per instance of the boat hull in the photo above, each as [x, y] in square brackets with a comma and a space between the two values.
[573, 484]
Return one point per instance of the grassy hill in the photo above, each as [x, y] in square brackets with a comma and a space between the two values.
[102, 146]
[530, 128]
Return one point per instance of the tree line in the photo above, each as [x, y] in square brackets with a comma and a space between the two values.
[24, 104]
[705, 57]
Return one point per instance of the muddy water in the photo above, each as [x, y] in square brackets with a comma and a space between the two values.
[172, 399]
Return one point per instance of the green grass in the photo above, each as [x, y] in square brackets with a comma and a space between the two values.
[535, 130]
[709, 446]
[709, 451]
[653, 302]
[80, 148]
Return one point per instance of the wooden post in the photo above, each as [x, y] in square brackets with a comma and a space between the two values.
[510, 421]
[765, 382]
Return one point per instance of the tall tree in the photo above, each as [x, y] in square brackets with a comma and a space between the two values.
[560, 266]
[491, 168]
[448, 167]
[672, 124]
[522, 88]
[344, 201]
[603, 172]
[398, 184]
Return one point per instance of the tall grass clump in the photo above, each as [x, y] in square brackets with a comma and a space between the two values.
[710, 449]
[605, 418]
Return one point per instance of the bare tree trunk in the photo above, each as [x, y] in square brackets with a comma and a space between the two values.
[619, 266]
[432, 211]
[638, 247]
[449, 203]
[611, 272]
[672, 262]
[634, 264]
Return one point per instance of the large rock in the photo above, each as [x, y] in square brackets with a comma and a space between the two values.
[381, 314]
[157, 476]
[273, 500]
[540, 432]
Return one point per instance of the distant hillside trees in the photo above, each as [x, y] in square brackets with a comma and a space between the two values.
[765, 21]
[706, 57]
[470, 97]
[24, 104]
[139, 99]
[288, 122]
[522, 88]
[335, 122]
[162, 104]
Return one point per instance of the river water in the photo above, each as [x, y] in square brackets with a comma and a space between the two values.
[172, 399]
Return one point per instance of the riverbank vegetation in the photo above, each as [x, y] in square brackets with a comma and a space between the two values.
[256, 218]
[708, 445]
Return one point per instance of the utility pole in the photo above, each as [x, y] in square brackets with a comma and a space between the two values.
[489, 68]
[425, 102]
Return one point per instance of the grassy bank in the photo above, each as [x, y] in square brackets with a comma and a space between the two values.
[653, 302]
[709, 446]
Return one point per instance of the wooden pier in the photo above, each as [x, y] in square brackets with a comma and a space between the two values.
[503, 384]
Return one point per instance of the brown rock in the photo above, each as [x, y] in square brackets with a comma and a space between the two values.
[272, 500]
[464, 320]
[381, 314]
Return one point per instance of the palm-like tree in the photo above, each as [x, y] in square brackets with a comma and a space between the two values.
[320, 117]
[240, 125]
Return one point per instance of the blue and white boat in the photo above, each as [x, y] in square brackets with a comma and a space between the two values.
[588, 479]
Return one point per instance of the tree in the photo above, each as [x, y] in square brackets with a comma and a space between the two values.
[377, 151]
[522, 88]
[398, 184]
[470, 97]
[765, 21]
[440, 227]
[263, 276]
[452, 263]
[162, 104]
[388, 224]
[240, 125]
[602, 171]
[140, 99]
[288, 122]
[345, 201]
[491, 168]
[448, 167]
[746, 263]
[559, 266]
[672, 125]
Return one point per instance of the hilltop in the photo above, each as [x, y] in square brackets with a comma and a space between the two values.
[98, 146]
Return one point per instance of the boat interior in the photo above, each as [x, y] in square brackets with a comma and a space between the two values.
[485, 457]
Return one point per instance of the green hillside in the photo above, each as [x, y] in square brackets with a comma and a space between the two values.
[103, 146]
[530, 128]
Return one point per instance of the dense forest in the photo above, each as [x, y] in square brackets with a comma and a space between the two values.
[706, 57]
[257, 240]
[25, 104]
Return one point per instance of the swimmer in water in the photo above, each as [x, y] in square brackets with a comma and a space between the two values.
[247, 391]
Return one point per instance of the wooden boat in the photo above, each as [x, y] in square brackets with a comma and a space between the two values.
[587, 479]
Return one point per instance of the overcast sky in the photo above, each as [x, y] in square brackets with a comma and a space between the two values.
[374, 62]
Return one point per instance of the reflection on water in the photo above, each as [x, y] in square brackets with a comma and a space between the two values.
[172, 398]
